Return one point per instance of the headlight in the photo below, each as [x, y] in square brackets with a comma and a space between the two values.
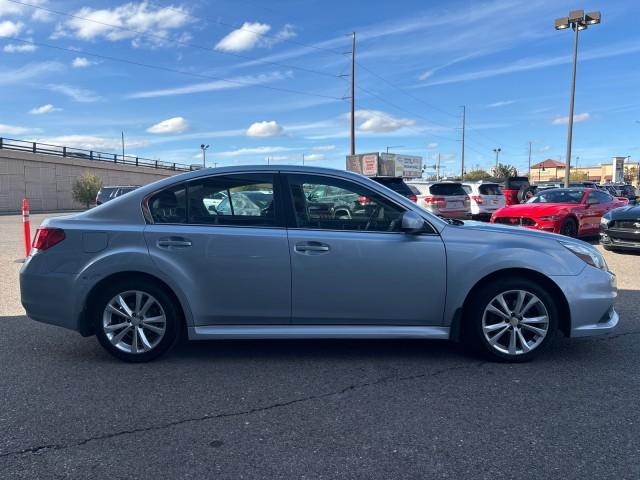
[588, 254]
[550, 217]
[605, 222]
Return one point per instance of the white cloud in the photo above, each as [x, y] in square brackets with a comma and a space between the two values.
[314, 157]
[10, 29]
[41, 16]
[81, 62]
[380, 122]
[19, 48]
[234, 82]
[8, 8]
[264, 129]
[251, 35]
[78, 94]
[92, 142]
[502, 103]
[577, 118]
[324, 148]
[432, 145]
[48, 108]
[13, 130]
[128, 21]
[28, 72]
[253, 151]
[171, 125]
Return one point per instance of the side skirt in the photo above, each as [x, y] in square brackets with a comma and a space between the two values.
[315, 331]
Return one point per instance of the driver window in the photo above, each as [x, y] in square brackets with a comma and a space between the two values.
[333, 204]
[238, 200]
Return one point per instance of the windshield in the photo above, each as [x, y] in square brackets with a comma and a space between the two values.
[558, 196]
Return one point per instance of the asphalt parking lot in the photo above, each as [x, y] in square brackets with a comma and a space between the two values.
[315, 409]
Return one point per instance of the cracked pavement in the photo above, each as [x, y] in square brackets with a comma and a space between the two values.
[318, 409]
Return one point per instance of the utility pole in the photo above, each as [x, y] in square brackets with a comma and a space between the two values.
[353, 93]
[438, 168]
[464, 119]
[204, 155]
[529, 170]
[302, 158]
[122, 145]
[497, 150]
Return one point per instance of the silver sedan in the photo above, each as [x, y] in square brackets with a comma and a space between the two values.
[272, 260]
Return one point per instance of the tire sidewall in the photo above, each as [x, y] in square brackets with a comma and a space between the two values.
[565, 222]
[487, 293]
[173, 319]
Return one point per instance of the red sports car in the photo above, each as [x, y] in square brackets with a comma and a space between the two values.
[573, 212]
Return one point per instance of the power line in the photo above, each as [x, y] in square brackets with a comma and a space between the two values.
[400, 89]
[235, 27]
[171, 70]
[178, 41]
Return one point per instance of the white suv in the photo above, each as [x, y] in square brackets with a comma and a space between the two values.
[486, 198]
[447, 199]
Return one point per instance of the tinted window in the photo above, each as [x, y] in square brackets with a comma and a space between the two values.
[490, 189]
[241, 200]
[558, 196]
[446, 189]
[350, 206]
[395, 184]
[169, 206]
[599, 197]
[467, 189]
[106, 193]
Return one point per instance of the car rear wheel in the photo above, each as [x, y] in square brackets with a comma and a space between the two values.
[512, 320]
[569, 228]
[136, 321]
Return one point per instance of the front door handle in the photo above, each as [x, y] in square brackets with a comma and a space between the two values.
[174, 242]
[311, 248]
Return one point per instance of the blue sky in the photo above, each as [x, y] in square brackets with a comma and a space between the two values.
[241, 76]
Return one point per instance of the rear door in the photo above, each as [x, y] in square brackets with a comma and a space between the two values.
[231, 259]
[360, 270]
[455, 198]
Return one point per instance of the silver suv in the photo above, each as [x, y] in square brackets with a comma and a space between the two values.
[447, 199]
[274, 260]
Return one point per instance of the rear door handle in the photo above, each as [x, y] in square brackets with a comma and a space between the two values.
[174, 242]
[311, 247]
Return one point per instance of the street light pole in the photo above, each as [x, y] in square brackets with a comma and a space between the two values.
[497, 150]
[204, 147]
[578, 21]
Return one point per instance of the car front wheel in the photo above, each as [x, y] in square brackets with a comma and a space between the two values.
[512, 320]
[136, 321]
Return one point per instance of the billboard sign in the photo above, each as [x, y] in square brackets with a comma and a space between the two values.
[370, 164]
[407, 166]
[618, 170]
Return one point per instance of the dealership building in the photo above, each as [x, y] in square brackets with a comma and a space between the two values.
[553, 170]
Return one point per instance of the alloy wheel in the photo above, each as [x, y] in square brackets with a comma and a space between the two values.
[134, 321]
[515, 322]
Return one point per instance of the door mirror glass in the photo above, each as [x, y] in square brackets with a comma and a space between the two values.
[412, 222]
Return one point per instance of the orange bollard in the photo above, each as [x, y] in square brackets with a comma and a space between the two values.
[26, 226]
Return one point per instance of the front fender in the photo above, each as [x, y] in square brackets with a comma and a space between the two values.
[475, 254]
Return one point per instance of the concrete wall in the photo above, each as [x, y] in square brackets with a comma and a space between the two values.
[46, 180]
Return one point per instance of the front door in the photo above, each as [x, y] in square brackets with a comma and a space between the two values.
[358, 268]
[222, 239]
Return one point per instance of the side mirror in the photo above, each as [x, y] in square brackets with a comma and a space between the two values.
[412, 223]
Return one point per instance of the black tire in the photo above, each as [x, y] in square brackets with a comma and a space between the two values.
[569, 228]
[474, 333]
[172, 315]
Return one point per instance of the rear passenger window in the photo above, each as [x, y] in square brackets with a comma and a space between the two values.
[237, 200]
[169, 206]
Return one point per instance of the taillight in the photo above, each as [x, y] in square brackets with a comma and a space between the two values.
[440, 201]
[47, 237]
[364, 201]
[478, 199]
[412, 197]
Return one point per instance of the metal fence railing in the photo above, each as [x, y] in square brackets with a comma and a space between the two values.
[69, 152]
